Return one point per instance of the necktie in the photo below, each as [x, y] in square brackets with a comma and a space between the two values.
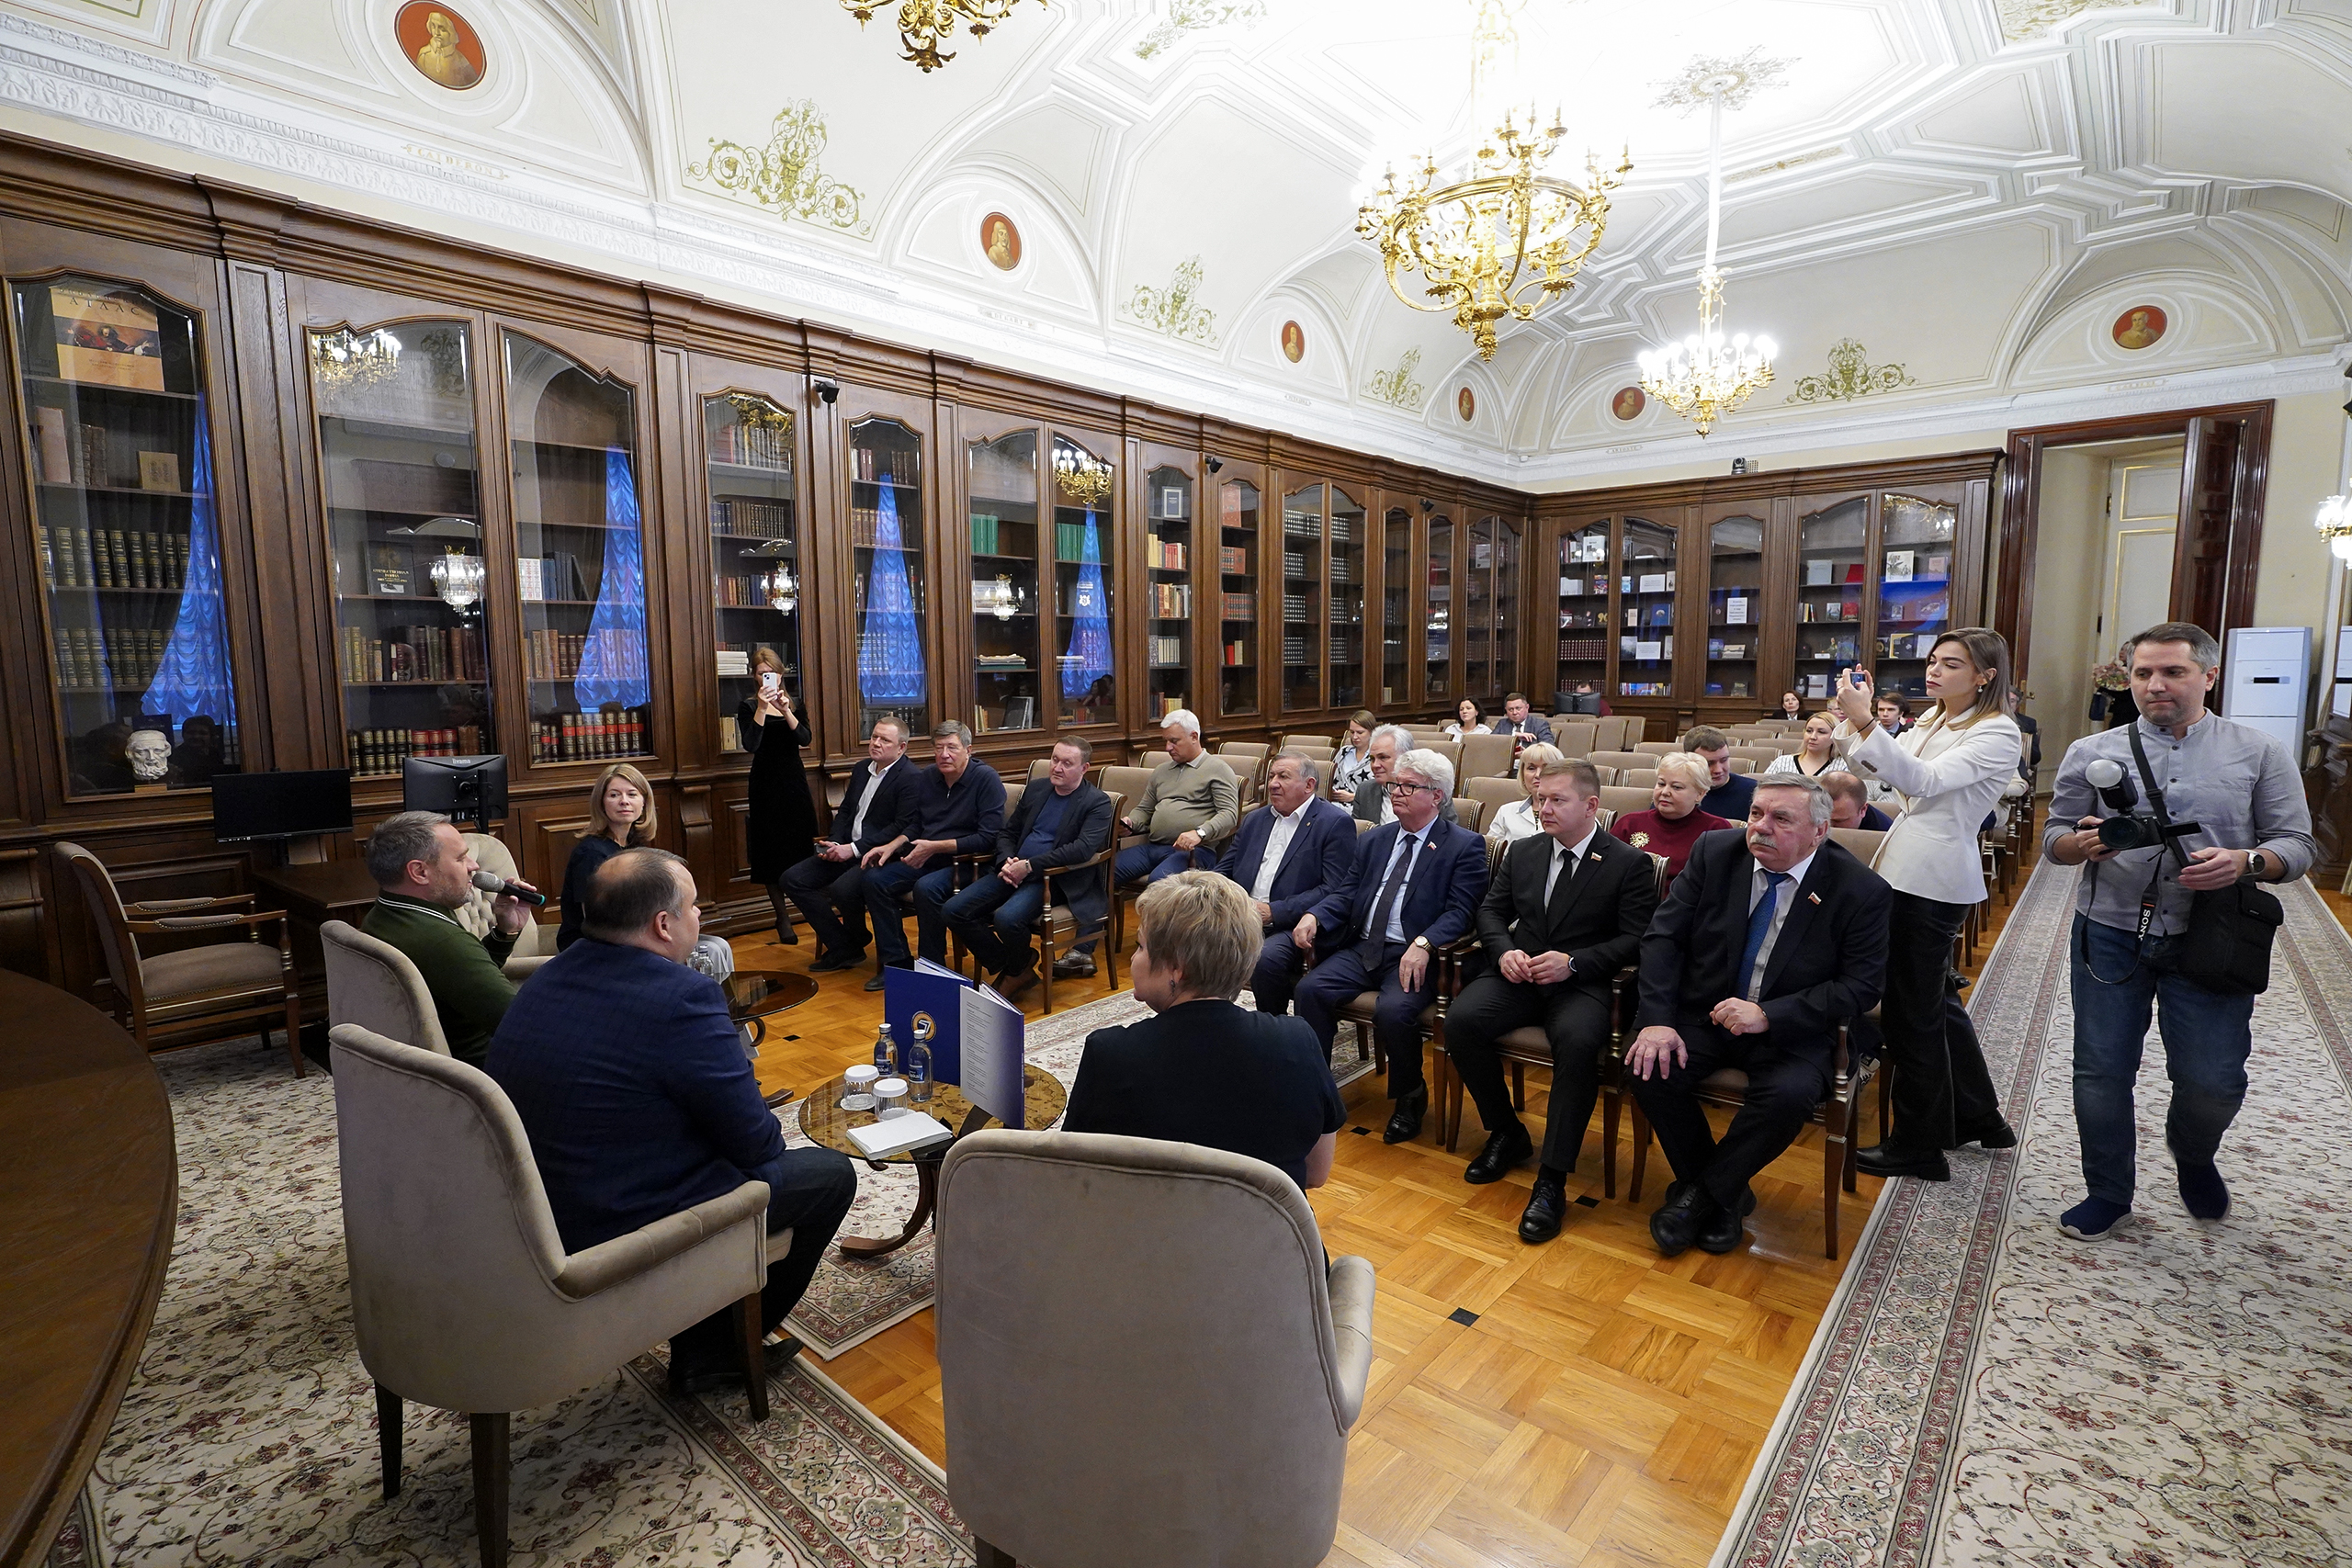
[1759, 920]
[1376, 935]
[1564, 872]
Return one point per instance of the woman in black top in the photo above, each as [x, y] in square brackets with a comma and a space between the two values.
[780, 819]
[620, 816]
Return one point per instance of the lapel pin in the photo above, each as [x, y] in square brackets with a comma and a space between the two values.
[1812, 898]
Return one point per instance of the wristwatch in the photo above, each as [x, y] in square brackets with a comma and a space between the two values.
[1420, 941]
[2256, 866]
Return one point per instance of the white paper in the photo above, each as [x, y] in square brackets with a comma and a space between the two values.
[1736, 612]
[912, 1131]
[1653, 583]
[1649, 650]
[1816, 573]
[992, 1049]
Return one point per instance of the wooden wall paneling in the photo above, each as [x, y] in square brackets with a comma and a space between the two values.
[542, 833]
[24, 939]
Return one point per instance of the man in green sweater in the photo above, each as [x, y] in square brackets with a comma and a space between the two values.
[424, 871]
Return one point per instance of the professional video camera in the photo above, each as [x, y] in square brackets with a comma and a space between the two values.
[2130, 828]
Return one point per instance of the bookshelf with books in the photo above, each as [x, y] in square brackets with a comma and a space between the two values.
[1348, 525]
[1489, 617]
[1239, 545]
[1396, 608]
[1913, 551]
[127, 531]
[1734, 608]
[1169, 557]
[887, 584]
[1833, 555]
[1438, 651]
[1646, 578]
[1002, 483]
[1301, 619]
[1588, 609]
[1084, 639]
[749, 462]
[579, 515]
[400, 476]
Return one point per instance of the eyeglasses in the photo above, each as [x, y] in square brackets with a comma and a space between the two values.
[1398, 787]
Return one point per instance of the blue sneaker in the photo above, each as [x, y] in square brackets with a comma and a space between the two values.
[2203, 1192]
[2093, 1219]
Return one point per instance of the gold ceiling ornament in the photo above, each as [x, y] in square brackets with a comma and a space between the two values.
[755, 413]
[1706, 375]
[1397, 387]
[1176, 309]
[1197, 16]
[924, 24]
[783, 174]
[343, 361]
[1084, 479]
[1850, 376]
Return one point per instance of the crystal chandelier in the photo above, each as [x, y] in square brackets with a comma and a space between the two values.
[459, 577]
[2333, 521]
[924, 24]
[1086, 481]
[781, 588]
[1705, 376]
[346, 361]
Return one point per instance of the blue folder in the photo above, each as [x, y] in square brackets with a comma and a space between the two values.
[926, 1003]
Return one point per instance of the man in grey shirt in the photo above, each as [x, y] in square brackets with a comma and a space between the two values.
[2239, 786]
[1187, 811]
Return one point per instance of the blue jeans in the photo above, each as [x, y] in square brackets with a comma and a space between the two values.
[933, 885]
[1157, 862]
[994, 919]
[2207, 1038]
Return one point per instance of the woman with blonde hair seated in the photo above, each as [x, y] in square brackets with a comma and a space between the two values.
[1673, 823]
[1819, 754]
[1516, 820]
[620, 816]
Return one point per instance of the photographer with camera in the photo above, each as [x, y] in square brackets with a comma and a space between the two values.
[2161, 807]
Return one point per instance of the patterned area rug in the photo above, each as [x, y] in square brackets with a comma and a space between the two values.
[248, 1434]
[1983, 1390]
[852, 1300]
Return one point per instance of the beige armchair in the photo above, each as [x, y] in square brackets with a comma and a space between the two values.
[536, 944]
[373, 985]
[1141, 1357]
[462, 1296]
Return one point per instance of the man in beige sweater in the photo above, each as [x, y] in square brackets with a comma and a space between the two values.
[1187, 811]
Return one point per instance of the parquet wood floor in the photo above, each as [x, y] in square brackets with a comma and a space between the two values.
[1583, 1403]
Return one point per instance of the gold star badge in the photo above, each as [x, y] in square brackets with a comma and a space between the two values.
[1640, 841]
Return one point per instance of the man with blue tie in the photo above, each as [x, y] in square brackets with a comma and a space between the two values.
[1413, 887]
[1769, 940]
[1287, 857]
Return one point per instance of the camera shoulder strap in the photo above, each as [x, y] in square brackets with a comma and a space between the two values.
[2155, 878]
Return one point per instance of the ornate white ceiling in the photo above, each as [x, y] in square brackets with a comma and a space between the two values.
[1970, 191]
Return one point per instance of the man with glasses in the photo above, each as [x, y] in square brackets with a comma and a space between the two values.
[1414, 887]
[1374, 805]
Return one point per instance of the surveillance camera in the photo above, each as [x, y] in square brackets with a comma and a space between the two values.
[827, 389]
[1428, 505]
[1215, 464]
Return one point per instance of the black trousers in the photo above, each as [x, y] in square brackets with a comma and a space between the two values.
[1940, 1080]
[810, 1192]
[1785, 1081]
[1280, 964]
[1575, 1018]
[831, 894]
[1343, 976]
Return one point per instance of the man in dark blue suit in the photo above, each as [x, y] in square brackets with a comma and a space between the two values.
[1413, 887]
[632, 1085]
[1064, 822]
[829, 885]
[1287, 858]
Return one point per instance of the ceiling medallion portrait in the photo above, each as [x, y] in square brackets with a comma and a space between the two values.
[1001, 242]
[1466, 403]
[440, 43]
[2139, 327]
[1626, 403]
[924, 24]
[1294, 342]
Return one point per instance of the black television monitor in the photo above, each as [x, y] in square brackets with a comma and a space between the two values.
[281, 805]
[469, 791]
[1576, 703]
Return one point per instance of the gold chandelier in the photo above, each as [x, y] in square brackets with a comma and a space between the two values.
[1085, 480]
[1500, 240]
[924, 24]
[1707, 375]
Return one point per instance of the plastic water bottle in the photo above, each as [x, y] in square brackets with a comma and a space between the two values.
[918, 1071]
[886, 1053]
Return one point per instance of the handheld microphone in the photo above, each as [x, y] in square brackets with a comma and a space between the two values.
[490, 882]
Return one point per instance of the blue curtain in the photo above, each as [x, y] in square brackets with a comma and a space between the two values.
[1088, 658]
[889, 651]
[194, 676]
[612, 668]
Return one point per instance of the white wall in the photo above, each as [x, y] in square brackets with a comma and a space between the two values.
[2069, 583]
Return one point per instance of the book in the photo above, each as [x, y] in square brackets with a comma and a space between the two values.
[915, 1130]
[107, 337]
[1816, 572]
[56, 458]
[388, 570]
[922, 1004]
[159, 470]
[992, 1050]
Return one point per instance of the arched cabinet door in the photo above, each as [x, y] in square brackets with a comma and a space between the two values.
[892, 674]
[1083, 640]
[1587, 615]
[1003, 497]
[1241, 551]
[1173, 544]
[1735, 618]
[1439, 647]
[1349, 522]
[1396, 608]
[1647, 598]
[1302, 615]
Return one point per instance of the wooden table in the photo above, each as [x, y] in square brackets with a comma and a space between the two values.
[89, 1190]
[826, 1123]
[313, 894]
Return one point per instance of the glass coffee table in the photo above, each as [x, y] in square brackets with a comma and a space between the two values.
[755, 995]
[827, 1124]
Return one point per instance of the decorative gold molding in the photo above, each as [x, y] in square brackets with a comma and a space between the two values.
[1176, 309]
[755, 413]
[2023, 20]
[924, 24]
[1850, 376]
[1397, 387]
[783, 174]
[1735, 78]
[1199, 16]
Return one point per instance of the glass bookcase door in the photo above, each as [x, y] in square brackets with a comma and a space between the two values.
[748, 454]
[118, 442]
[1438, 653]
[1833, 547]
[887, 584]
[398, 466]
[580, 548]
[1236, 566]
[1302, 603]
[1349, 523]
[1478, 618]
[1734, 606]
[1646, 599]
[1085, 523]
[1506, 639]
[1914, 589]
[1005, 639]
[1584, 610]
[1395, 605]
[1168, 584]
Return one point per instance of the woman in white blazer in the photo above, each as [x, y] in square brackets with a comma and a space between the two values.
[1949, 770]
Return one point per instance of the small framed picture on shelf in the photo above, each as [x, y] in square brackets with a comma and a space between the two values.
[1172, 500]
[159, 470]
[1899, 566]
[106, 338]
[388, 570]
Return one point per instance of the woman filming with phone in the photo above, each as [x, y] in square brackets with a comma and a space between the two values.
[780, 817]
[1947, 770]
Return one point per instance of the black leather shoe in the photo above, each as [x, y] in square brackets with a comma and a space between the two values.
[1722, 1231]
[706, 1378]
[1505, 1152]
[880, 970]
[1993, 1134]
[1546, 1206]
[1405, 1124]
[1884, 1159]
[1074, 966]
[848, 958]
[1679, 1219]
[1012, 983]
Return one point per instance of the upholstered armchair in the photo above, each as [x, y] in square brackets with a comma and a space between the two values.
[462, 1296]
[188, 994]
[536, 944]
[1142, 1358]
[373, 985]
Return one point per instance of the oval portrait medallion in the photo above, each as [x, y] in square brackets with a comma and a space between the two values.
[1465, 405]
[1294, 342]
[440, 43]
[1000, 240]
[1627, 403]
[2139, 327]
